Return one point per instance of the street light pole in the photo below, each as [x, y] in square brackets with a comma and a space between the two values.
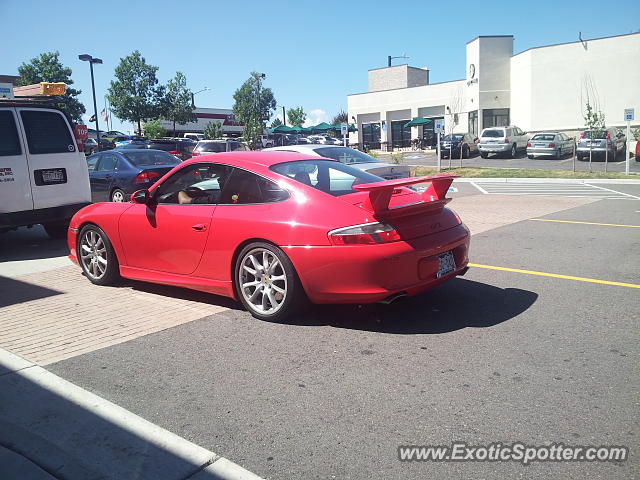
[260, 76]
[284, 118]
[193, 94]
[92, 60]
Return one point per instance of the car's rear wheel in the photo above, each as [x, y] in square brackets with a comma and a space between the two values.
[465, 152]
[484, 155]
[118, 196]
[97, 257]
[267, 283]
[530, 157]
[559, 154]
[514, 151]
[56, 229]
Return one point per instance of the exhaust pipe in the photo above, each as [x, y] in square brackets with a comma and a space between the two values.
[392, 298]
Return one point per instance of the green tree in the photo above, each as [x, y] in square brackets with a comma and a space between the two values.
[276, 123]
[153, 129]
[341, 117]
[594, 121]
[213, 130]
[135, 94]
[177, 102]
[47, 68]
[252, 108]
[296, 116]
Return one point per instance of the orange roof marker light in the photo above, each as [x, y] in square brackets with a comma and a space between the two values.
[42, 89]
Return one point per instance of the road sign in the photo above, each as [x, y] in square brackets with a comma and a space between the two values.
[344, 128]
[628, 114]
[438, 125]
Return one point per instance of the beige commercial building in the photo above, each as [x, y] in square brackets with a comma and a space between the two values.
[542, 88]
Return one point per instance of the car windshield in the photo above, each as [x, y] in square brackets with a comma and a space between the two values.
[328, 176]
[149, 157]
[493, 133]
[215, 147]
[456, 136]
[345, 155]
[544, 136]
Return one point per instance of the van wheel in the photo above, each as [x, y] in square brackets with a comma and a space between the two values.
[118, 196]
[56, 229]
[97, 257]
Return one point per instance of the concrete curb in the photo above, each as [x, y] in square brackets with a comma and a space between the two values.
[576, 181]
[71, 433]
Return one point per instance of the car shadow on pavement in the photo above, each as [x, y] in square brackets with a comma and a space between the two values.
[181, 293]
[14, 291]
[30, 244]
[455, 305]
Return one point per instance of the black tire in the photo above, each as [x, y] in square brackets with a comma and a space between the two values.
[559, 154]
[56, 230]
[484, 155]
[294, 297]
[93, 237]
[118, 196]
[514, 151]
[465, 152]
[530, 157]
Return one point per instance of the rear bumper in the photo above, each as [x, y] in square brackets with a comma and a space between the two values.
[371, 273]
[542, 152]
[43, 215]
[494, 147]
[584, 151]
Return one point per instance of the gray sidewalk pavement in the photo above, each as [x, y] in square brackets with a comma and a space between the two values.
[53, 429]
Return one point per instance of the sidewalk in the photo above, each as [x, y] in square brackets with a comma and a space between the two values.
[53, 429]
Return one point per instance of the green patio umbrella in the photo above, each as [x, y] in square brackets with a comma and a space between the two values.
[322, 127]
[283, 129]
[418, 121]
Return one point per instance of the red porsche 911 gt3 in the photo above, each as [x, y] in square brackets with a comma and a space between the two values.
[273, 229]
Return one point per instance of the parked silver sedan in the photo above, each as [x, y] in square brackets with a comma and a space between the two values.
[550, 144]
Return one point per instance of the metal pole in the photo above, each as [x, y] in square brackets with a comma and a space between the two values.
[574, 154]
[438, 149]
[95, 106]
[628, 149]
[284, 118]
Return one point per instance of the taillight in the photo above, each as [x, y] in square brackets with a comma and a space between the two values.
[144, 177]
[528, 145]
[368, 234]
[608, 135]
[506, 140]
[195, 154]
[552, 145]
[174, 152]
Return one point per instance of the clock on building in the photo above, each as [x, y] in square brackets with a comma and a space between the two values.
[472, 70]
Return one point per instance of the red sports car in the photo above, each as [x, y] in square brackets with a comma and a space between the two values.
[273, 229]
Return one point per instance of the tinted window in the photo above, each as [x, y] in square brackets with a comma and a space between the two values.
[345, 155]
[167, 147]
[215, 147]
[493, 133]
[92, 161]
[543, 136]
[9, 142]
[47, 132]
[149, 157]
[107, 163]
[246, 187]
[456, 137]
[202, 182]
[333, 178]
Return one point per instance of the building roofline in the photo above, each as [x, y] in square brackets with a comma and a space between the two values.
[577, 41]
[489, 36]
[407, 88]
[401, 65]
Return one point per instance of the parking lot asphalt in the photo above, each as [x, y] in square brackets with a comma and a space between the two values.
[430, 159]
[495, 356]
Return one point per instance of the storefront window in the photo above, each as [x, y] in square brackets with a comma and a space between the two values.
[495, 117]
[371, 136]
[473, 123]
[400, 135]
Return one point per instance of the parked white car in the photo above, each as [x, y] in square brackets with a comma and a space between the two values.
[502, 141]
[550, 144]
[352, 157]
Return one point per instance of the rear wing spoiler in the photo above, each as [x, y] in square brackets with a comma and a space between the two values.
[433, 199]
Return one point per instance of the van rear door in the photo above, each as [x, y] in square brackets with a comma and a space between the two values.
[58, 171]
[15, 187]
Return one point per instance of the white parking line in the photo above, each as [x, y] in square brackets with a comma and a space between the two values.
[479, 188]
[583, 190]
[620, 193]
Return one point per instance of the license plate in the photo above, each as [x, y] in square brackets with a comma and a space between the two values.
[52, 176]
[542, 145]
[447, 264]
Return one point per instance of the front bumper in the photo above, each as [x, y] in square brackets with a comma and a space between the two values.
[371, 273]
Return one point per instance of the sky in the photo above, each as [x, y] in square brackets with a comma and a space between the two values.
[313, 54]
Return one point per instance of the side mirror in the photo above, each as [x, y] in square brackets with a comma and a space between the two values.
[140, 196]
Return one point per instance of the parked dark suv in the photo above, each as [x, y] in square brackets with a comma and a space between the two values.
[181, 148]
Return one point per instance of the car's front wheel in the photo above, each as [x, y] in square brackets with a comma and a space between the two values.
[267, 283]
[56, 229]
[97, 257]
[118, 196]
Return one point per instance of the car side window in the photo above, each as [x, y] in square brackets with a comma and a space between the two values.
[245, 187]
[202, 182]
[47, 132]
[92, 162]
[9, 141]
[108, 163]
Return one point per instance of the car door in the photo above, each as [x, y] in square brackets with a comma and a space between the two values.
[166, 235]
[102, 177]
[15, 184]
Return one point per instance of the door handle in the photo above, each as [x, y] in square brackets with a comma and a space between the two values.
[200, 227]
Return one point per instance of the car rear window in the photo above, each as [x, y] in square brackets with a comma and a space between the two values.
[215, 147]
[345, 155]
[543, 136]
[331, 177]
[47, 132]
[456, 136]
[167, 147]
[493, 133]
[146, 157]
[596, 135]
[9, 142]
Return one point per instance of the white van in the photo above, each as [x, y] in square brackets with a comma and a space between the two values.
[43, 174]
[196, 137]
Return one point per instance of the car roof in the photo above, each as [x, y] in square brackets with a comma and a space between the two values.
[248, 158]
[305, 147]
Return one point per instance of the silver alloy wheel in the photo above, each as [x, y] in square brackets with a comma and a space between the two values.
[117, 196]
[93, 254]
[262, 281]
